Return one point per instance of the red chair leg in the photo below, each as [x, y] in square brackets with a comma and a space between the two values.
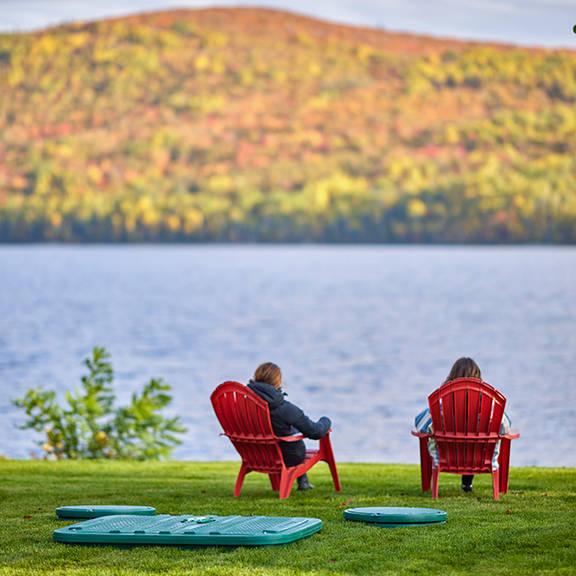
[328, 457]
[504, 462]
[425, 465]
[275, 481]
[240, 480]
[286, 481]
[496, 484]
[435, 478]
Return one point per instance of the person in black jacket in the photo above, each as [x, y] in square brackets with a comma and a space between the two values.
[286, 418]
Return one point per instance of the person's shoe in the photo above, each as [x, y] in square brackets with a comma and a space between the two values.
[466, 487]
[304, 483]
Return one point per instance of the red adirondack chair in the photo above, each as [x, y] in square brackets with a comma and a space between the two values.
[466, 418]
[245, 418]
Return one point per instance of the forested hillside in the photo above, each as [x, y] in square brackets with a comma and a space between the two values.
[258, 125]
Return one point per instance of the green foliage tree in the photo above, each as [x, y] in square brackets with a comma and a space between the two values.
[90, 426]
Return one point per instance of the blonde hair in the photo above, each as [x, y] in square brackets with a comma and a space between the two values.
[269, 373]
[464, 368]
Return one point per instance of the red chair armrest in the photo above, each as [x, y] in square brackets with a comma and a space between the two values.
[415, 432]
[291, 438]
[511, 435]
[300, 437]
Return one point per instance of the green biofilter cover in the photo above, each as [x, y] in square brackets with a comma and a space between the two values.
[80, 512]
[189, 530]
[394, 517]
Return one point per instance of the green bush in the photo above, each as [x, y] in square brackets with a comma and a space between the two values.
[91, 427]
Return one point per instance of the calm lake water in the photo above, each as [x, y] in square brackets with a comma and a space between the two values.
[363, 334]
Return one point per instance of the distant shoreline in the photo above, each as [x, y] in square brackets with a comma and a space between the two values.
[215, 243]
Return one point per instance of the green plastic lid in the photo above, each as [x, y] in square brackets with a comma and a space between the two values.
[396, 516]
[80, 512]
[188, 530]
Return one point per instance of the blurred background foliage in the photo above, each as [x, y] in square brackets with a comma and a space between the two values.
[259, 125]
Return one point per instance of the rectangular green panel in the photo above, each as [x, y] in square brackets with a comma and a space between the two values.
[189, 530]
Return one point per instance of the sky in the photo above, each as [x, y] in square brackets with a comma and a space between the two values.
[526, 22]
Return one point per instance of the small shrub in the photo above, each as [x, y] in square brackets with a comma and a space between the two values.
[91, 427]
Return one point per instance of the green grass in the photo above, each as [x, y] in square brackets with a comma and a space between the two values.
[531, 530]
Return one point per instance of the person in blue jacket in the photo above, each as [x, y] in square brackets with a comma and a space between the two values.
[286, 418]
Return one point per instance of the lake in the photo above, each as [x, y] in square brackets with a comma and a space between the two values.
[362, 333]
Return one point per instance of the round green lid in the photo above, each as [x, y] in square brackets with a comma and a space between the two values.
[97, 511]
[398, 516]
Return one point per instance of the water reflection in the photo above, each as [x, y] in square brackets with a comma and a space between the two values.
[362, 334]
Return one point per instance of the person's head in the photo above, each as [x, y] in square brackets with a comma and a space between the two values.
[269, 373]
[464, 368]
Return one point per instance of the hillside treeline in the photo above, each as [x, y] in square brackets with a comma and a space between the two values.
[256, 125]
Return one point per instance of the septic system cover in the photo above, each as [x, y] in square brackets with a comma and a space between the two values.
[396, 516]
[72, 512]
[188, 530]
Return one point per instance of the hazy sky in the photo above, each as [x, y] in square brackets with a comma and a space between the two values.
[532, 22]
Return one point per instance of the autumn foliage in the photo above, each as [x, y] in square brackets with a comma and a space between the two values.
[260, 125]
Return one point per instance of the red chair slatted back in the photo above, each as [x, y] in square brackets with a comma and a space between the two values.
[245, 418]
[466, 417]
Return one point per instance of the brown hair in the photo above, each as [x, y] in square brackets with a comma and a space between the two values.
[269, 373]
[464, 368]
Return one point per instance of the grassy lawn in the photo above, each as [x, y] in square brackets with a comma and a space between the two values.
[531, 530]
